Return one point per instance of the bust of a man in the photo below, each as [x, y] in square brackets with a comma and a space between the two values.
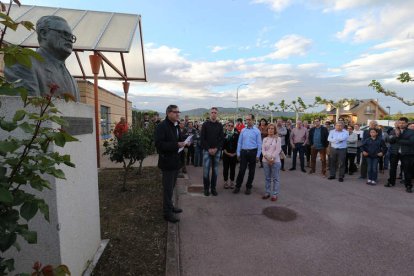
[56, 44]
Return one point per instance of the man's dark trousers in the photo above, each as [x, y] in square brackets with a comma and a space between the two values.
[364, 167]
[408, 166]
[169, 179]
[394, 158]
[301, 149]
[247, 158]
[338, 159]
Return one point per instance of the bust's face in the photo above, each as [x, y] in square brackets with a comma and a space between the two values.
[58, 40]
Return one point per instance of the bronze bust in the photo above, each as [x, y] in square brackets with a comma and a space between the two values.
[56, 44]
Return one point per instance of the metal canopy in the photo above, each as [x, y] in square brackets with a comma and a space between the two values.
[116, 37]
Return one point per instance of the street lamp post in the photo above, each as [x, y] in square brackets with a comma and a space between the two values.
[389, 114]
[237, 98]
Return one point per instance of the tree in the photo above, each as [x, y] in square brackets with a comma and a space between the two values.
[134, 146]
[299, 106]
[312, 116]
[271, 108]
[403, 78]
[336, 104]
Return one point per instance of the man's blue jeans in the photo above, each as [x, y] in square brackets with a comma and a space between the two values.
[210, 161]
[372, 168]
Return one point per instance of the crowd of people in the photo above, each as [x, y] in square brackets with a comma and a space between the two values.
[343, 148]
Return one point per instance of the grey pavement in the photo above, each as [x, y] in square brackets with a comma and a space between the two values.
[346, 228]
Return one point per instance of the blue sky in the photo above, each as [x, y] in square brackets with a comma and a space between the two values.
[198, 52]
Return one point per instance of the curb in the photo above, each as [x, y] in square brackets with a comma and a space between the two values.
[172, 262]
[172, 255]
[172, 258]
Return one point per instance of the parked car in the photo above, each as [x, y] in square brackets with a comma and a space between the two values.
[386, 128]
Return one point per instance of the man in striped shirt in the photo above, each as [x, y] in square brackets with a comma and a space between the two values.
[298, 140]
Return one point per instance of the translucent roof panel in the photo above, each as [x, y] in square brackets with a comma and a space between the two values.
[116, 33]
[106, 32]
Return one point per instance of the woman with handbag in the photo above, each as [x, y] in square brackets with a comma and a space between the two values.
[271, 149]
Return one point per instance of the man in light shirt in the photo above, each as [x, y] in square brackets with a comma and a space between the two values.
[249, 148]
[338, 138]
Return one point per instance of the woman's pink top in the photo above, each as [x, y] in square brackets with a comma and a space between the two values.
[271, 147]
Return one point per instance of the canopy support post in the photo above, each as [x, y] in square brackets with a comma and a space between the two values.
[95, 61]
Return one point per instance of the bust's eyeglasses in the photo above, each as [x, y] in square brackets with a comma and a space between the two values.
[65, 35]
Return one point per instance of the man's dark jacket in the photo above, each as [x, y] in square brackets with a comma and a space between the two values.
[212, 135]
[394, 146]
[324, 136]
[167, 136]
[405, 142]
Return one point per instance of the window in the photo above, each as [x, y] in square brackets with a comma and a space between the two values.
[368, 109]
[105, 122]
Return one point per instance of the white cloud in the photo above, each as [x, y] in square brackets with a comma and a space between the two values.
[291, 45]
[383, 22]
[395, 56]
[174, 78]
[276, 5]
[338, 5]
[215, 49]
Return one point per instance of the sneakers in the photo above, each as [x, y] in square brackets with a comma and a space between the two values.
[214, 192]
[231, 185]
[371, 182]
[236, 190]
[226, 185]
[274, 198]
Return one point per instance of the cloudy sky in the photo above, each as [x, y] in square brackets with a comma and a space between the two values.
[198, 52]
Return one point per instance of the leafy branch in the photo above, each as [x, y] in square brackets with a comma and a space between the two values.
[403, 78]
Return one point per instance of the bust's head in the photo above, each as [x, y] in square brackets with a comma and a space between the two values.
[55, 36]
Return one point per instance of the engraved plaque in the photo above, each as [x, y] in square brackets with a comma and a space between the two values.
[78, 125]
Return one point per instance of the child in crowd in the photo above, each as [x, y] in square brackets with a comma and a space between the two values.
[373, 148]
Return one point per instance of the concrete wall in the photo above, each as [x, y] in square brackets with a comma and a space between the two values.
[73, 234]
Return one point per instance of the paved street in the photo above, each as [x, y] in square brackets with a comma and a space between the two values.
[346, 228]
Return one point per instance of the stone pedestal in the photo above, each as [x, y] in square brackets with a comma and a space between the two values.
[73, 234]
